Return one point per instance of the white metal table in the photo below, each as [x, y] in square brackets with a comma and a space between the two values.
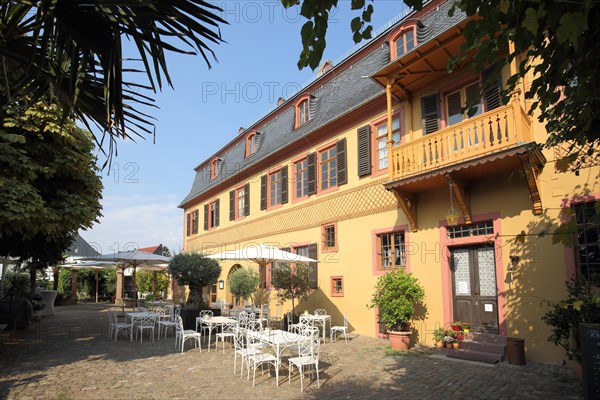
[134, 316]
[213, 322]
[279, 339]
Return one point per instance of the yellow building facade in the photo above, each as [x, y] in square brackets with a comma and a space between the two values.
[359, 170]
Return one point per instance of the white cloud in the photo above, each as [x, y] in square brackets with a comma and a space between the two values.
[137, 221]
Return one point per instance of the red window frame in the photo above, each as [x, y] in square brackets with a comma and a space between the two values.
[212, 214]
[401, 34]
[302, 108]
[320, 163]
[303, 180]
[213, 168]
[324, 238]
[250, 144]
[334, 280]
[236, 202]
[270, 184]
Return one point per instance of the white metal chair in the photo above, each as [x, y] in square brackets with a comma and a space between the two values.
[340, 329]
[204, 314]
[242, 349]
[181, 335]
[261, 353]
[290, 323]
[169, 323]
[320, 311]
[227, 331]
[146, 323]
[115, 326]
[243, 319]
[308, 356]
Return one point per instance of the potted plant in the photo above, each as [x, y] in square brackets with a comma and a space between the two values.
[38, 305]
[448, 340]
[438, 336]
[396, 295]
[456, 342]
[466, 327]
[456, 326]
[196, 271]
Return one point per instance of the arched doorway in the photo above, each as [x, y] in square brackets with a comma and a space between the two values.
[234, 301]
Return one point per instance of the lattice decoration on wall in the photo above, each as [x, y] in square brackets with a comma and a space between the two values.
[561, 151]
[368, 199]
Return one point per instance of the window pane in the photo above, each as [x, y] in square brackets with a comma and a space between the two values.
[472, 92]
[382, 161]
[395, 124]
[400, 46]
[410, 40]
[454, 106]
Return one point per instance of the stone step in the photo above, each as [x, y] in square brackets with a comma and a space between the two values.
[485, 337]
[466, 354]
[484, 347]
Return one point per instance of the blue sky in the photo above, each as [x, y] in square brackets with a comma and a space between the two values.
[256, 66]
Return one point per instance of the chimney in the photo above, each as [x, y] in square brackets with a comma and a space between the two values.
[280, 101]
[241, 130]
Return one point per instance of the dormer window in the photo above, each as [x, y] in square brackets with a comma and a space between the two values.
[403, 42]
[215, 167]
[302, 111]
[252, 143]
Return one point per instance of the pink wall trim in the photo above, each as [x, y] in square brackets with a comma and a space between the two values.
[446, 244]
[375, 232]
[569, 252]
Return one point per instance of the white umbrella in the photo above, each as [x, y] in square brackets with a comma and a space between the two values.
[262, 254]
[134, 259]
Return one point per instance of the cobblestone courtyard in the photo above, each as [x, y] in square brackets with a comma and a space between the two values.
[69, 356]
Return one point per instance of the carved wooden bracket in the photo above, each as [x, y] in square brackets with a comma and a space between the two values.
[409, 206]
[532, 168]
[461, 196]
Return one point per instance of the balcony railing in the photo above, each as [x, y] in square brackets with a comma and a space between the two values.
[485, 134]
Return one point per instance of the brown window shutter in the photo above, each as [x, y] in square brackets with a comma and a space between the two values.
[491, 94]
[231, 205]
[196, 221]
[364, 150]
[247, 199]
[342, 170]
[312, 267]
[284, 185]
[188, 229]
[217, 206]
[206, 217]
[430, 112]
[312, 173]
[263, 192]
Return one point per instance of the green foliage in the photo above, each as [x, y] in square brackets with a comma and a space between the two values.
[564, 318]
[243, 282]
[109, 277]
[37, 303]
[291, 283]
[16, 284]
[144, 282]
[196, 271]
[71, 52]
[396, 295]
[439, 334]
[49, 186]
[64, 282]
[313, 31]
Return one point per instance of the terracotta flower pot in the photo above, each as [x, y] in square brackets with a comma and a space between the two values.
[448, 345]
[439, 344]
[399, 340]
[455, 345]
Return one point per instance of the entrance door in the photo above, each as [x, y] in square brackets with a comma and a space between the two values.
[474, 287]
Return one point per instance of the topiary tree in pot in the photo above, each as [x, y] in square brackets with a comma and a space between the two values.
[196, 271]
[243, 283]
[397, 295]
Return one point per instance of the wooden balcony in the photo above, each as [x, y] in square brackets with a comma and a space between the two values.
[486, 134]
[497, 141]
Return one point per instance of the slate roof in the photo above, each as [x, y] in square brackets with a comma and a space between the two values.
[346, 91]
[81, 248]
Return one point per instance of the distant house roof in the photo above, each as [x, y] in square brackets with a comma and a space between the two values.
[81, 249]
[153, 249]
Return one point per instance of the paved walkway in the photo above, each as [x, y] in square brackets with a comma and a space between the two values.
[69, 356]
